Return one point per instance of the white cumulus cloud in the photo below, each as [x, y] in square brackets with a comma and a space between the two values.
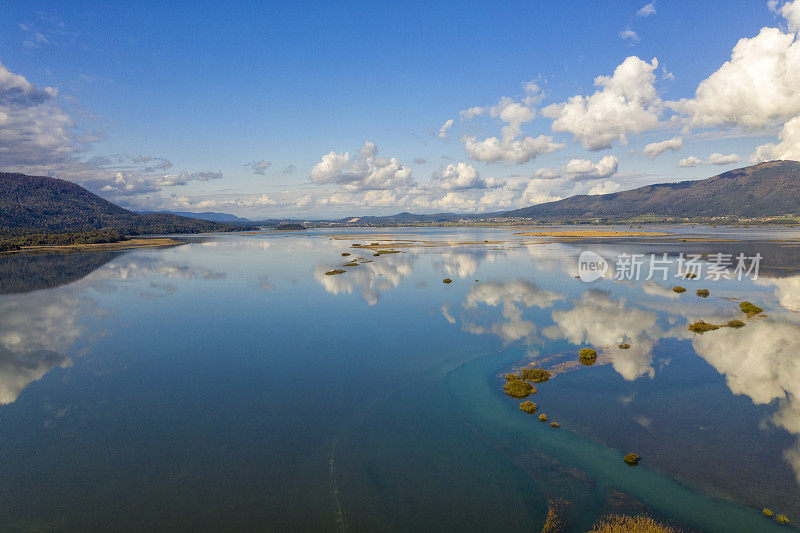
[626, 103]
[655, 149]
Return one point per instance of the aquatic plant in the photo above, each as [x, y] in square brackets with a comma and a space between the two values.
[374, 244]
[528, 406]
[630, 524]
[356, 245]
[767, 512]
[345, 254]
[679, 289]
[703, 293]
[351, 264]
[690, 275]
[556, 513]
[631, 459]
[735, 324]
[447, 280]
[511, 377]
[750, 309]
[782, 518]
[702, 327]
[518, 389]
[555, 425]
[537, 375]
[624, 346]
[542, 417]
[587, 356]
[334, 272]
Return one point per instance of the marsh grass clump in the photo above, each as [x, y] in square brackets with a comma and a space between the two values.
[703, 293]
[528, 406]
[516, 388]
[335, 271]
[625, 346]
[782, 518]
[631, 459]
[702, 327]
[630, 524]
[735, 324]
[690, 275]
[537, 375]
[555, 425]
[345, 254]
[557, 517]
[542, 417]
[356, 245]
[750, 309]
[511, 377]
[587, 356]
[447, 280]
[767, 512]
[351, 264]
[679, 289]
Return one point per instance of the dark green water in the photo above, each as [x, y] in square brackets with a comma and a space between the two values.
[230, 384]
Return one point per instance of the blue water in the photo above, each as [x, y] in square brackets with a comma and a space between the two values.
[230, 383]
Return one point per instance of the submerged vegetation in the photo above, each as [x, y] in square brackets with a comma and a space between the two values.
[703, 293]
[679, 289]
[750, 309]
[528, 406]
[631, 459]
[537, 375]
[587, 356]
[630, 524]
[701, 327]
[519, 389]
[555, 522]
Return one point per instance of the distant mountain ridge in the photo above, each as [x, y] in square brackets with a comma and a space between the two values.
[38, 204]
[206, 215]
[763, 190]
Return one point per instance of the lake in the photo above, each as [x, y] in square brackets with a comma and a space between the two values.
[235, 382]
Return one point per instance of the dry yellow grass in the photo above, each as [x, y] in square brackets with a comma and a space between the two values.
[630, 524]
[595, 233]
[131, 243]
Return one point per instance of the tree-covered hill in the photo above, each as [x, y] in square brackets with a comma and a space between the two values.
[37, 205]
[764, 190]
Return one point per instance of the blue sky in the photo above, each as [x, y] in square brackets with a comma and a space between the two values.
[164, 106]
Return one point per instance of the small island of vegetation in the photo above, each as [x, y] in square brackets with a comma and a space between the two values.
[587, 356]
[750, 309]
[536, 375]
[516, 388]
[631, 459]
[528, 406]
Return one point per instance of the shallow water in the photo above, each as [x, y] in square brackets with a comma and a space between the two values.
[230, 382]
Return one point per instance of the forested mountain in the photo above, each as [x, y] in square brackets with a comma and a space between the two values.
[763, 190]
[37, 204]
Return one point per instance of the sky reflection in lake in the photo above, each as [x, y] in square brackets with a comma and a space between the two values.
[233, 374]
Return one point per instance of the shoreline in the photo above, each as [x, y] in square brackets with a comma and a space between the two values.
[119, 245]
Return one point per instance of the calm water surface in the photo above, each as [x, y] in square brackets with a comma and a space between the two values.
[231, 383]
